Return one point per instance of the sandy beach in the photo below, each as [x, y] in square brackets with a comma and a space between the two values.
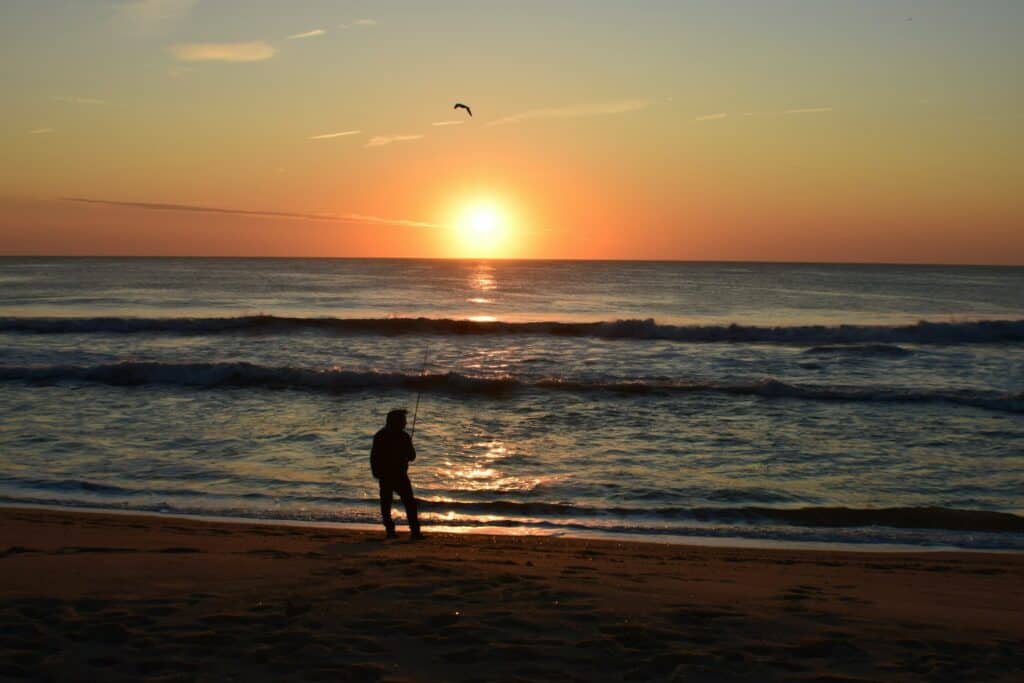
[115, 597]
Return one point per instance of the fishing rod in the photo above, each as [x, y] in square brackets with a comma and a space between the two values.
[419, 393]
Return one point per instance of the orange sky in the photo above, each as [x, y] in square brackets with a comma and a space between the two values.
[788, 131]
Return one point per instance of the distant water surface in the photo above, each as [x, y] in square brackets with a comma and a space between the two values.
[825, 403]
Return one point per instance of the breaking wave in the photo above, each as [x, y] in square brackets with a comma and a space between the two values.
[504, 512]
[895, 517]
[863, 350]
[249, 375]
[924, 332]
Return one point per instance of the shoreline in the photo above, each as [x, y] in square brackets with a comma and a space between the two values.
[666, 539]
[126, 597]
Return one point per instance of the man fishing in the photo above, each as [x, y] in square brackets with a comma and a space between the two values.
[389, 460]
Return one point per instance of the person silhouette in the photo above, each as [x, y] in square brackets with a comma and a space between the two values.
[389, 461]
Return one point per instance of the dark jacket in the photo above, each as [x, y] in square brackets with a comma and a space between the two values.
[391, 454]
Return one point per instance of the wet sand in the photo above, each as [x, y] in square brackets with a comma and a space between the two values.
[113, 597]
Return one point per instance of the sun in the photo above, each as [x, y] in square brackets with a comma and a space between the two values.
[482, 229]
[483, 221]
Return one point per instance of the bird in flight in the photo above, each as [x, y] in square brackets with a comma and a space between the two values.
[460, 105]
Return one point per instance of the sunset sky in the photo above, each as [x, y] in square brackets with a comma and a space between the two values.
[787, 130]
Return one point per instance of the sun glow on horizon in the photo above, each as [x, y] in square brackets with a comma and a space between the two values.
[482, 228]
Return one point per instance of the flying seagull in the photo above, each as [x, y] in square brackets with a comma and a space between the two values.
[460, 105]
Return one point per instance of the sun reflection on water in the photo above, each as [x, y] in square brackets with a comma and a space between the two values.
[476, 473]
[477, 470]
[492, 450]
[481, 281]
[482, 278]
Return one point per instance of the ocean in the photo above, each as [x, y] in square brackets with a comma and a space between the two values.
[872, 405]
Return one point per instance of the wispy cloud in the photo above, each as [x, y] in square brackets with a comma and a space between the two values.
[78, 100]
[804, 110]
[575, 111]
[381, 140]
[360, 218]
[340, 134]
[354, 218]
[712, 117]
[447, 123]
[252, 51]
[40, 131]
[308, 34]
[359, 22]
[146, 13]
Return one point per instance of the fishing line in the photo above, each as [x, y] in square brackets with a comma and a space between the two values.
[423, 369]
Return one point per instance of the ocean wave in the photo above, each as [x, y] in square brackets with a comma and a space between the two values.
[249, 375]
[923, 332]
[526, 514]
[894, 517]
[864, 350]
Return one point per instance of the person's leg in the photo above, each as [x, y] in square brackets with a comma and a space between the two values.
[386, 488]
[404, 489]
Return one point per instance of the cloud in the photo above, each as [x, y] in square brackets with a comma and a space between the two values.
[359, 22]
[711, 117]
[343, 133]
[146, 13]
[78, 100]
[308, 34]
[404, 222]
[381, 140]
[253, 51]
[40, 131]
[806, 110]
[447, 123]
[354, 218]
[575, 111]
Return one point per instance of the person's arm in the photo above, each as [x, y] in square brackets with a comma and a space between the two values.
[375, 456]
[411, 449]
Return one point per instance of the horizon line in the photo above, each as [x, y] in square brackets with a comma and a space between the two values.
[569, 259]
